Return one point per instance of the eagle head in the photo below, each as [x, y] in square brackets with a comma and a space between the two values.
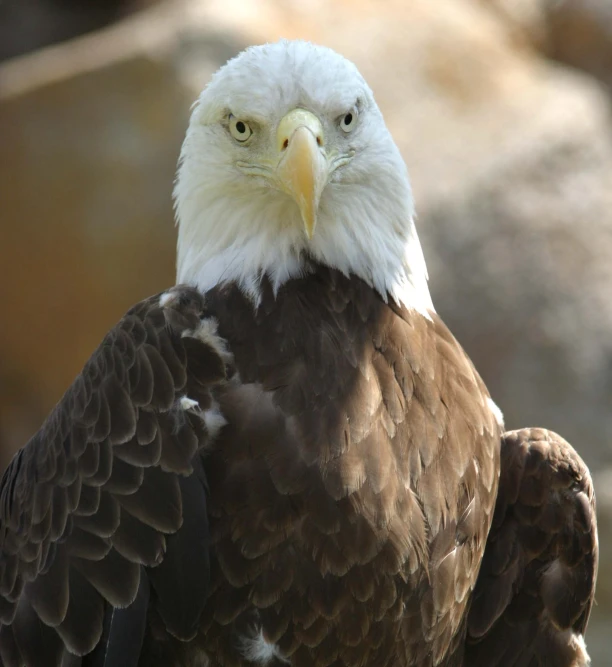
[288, 163]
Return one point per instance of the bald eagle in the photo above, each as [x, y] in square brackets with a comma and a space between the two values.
[287, 458]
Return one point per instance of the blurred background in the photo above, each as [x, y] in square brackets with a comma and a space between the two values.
[502, 110]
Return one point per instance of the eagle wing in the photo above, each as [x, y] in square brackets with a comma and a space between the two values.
[536, 585]
[104, 509]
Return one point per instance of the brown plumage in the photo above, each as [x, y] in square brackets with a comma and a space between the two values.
[340, 465]
[537, 578]
[349, 496]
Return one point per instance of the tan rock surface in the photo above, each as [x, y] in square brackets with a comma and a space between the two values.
[86, 227]
[526, 20]
[575, 32]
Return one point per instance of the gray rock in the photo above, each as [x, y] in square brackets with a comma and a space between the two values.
[26, 25]
[574, 32]
[580, 34]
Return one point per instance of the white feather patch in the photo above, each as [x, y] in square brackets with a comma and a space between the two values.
[257, 649]
[582, 657]
[214, 419]
[188, 403]
[577, 644]
[497, 413]
[207, 333]
[165, 298]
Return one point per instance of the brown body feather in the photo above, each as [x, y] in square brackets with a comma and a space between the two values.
[350, 494]
[537, 580]
[352, 490]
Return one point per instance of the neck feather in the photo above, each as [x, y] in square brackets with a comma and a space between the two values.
[205, 260]
[224, 237]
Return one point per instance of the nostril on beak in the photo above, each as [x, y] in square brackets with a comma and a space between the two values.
[285, 144]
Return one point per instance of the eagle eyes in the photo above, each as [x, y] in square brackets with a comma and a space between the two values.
[239, 129]
[349, 120]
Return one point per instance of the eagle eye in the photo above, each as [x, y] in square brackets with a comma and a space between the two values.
[239, 129]
[349, 120]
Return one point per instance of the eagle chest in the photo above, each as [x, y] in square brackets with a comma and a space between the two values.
[329, 481]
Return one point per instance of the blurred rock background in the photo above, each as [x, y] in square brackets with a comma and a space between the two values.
[502, 110]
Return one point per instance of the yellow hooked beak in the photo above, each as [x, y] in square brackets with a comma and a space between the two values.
[302, 171]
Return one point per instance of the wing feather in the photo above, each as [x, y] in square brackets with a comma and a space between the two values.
[106, 490]
[181, 580]
[123, 632]
[536, 584]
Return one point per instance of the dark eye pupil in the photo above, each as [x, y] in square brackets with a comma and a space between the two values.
[241, 127]
[348, 119]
